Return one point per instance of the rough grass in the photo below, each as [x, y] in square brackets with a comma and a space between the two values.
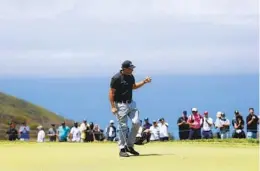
[190, 156]
[19, 110]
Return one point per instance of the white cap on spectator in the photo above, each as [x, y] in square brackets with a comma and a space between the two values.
[39, 127]
[194, 109]
[219, 114]
[111, 121]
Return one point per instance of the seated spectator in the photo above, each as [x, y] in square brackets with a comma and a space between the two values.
[239, 126]
[41, 134]
[183, 126]
[252, 121]
[83, 129]
[111, 131]
[52, 133]
[24, 132]
[12, 132]
[207, 124]
[146, 129]
[98, 135]
[195, 122]
[140, 136]
[164, 134]
[63, 132]
[155, 132]
[224, 126]
[75, 133]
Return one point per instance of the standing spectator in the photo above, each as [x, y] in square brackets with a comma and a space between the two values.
[83, 129]
[155, 132]
[75, 133]
[90, 133]
[146, 129]
[224, 126]
[236, 114]
[217, 123]
[12, 132]
[52, 133]
[183, 126]
[252, 121]
[239, 126]
[207, 123]
[164, 134]
[195, 122]
[41, 134]
[63, 132]
[111, 131]
[24, 132]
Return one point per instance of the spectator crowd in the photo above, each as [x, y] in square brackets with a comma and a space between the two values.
[197, 126]
[193, 126]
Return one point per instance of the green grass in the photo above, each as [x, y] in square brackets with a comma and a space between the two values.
[190, 156]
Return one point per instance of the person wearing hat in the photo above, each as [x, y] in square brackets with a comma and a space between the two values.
[111, 131]
[155, 132]
[52, 133]
[41, 134]
[183, 126]
[146, 130]
[24, 132]
[12, 132]
[234, 120]
[123, 106]
[195, 122]
[75, 133]
[207, 123]
[83, 129]
[217, 123]
[224, 126]
[63, 132]
[239, 127]
[164, 133]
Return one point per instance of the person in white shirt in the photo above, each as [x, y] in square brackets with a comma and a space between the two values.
[155, 132]
[224, 126]
[207, 124]
[75, 133]
[41, 134]
[111, 131]
[164, 135]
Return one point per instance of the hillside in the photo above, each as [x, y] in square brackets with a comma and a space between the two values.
[18, 110]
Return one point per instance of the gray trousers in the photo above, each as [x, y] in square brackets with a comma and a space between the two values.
[125, 110]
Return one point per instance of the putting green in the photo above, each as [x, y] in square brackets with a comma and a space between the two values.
[104, 157]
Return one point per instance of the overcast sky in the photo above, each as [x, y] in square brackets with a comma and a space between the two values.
[68, 38]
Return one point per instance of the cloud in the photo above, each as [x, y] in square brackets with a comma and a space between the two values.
[78, 38]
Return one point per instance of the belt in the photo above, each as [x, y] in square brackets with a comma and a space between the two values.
[124, 101]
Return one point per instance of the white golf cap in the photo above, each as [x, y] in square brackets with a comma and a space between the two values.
[111, 121]
[219, 114]
[39, 127]
[194, 109]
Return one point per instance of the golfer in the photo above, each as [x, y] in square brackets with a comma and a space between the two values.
[123, 106]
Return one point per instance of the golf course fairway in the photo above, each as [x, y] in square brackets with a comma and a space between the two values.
[170, 156]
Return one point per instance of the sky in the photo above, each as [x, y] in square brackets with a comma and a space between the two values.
[61, 54]
[83, 38]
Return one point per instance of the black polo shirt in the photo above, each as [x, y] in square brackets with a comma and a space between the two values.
[124, 87]
[253, 126]
[183, 127]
